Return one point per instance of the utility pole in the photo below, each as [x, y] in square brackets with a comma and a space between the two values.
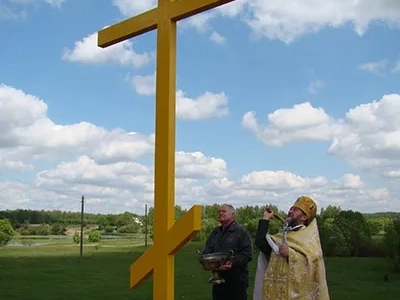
[145, 226]
[81, 242]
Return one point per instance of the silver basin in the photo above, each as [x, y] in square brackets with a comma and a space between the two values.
[213, 261]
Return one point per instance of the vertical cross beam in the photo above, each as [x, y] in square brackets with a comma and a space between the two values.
[164, 192]
[169, 236]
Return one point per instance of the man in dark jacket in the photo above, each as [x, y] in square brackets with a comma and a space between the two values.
[231, 236]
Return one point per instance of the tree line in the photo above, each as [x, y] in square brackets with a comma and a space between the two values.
[19, 217]
[342, 232]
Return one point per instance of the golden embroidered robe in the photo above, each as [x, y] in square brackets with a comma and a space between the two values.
[302, 277]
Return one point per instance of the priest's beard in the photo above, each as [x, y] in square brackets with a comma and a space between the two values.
[292, 222]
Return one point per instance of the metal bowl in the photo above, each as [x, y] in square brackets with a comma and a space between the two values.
[213, 261]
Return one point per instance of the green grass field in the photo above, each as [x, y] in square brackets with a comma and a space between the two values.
[53, 272]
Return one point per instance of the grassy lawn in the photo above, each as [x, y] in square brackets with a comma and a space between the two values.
[53, 272]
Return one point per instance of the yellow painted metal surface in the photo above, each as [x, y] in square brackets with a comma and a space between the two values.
[169, 236]
[182, 9]
[180, 233]
[176, 10]
[127, 29]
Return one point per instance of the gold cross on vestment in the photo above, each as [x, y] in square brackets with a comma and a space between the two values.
[169, 236]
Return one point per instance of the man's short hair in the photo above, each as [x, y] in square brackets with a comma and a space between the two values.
[230, 206]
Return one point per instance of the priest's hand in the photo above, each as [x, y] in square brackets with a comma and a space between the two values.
[284, 250]
[268, 213]
[226, 266]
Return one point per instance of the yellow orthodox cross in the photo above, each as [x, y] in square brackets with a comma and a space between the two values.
[169, 236]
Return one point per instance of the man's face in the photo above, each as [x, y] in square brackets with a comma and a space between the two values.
[225, 214]
[296, 216]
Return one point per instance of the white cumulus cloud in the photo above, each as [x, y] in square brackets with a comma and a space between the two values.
[107, 166]
[368, 136]
[129, 8]
[205, 106]
[376, 67]
[290, 19]
[87, 51]
[302, 122]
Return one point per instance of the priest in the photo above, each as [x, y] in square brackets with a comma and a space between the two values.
[290, 263]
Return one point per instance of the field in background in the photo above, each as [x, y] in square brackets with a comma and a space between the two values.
[37, 246]
[49, 269]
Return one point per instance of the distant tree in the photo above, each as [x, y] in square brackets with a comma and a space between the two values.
[251, 227]
[246, 215]
[6, 232]
[207, 226]
[150, 217]
[179, 212]
[330, 212]
[355, 230]
[76, 237]
[109, 229]
[58, 229]
[132, 228]
[112, 220]
[102, 222]
[210, 211]
[124, 219]
[43, 229]
[392, 243]
[94, 236]
[375, 225]
[332, 239]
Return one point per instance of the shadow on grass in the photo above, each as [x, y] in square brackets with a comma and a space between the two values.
[104, 274]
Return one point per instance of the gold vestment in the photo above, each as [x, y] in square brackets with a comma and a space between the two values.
[302, 276]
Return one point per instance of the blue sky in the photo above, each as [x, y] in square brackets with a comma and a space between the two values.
[300, 71]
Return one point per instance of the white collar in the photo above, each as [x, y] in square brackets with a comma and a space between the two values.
[289, 228]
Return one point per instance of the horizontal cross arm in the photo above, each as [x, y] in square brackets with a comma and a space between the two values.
[127, 29]
[142, 268]
[182, 9]
[184, 229]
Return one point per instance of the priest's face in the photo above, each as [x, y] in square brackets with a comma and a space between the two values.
[296, 216]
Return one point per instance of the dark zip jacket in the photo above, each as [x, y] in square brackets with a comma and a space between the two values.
[234, 237]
